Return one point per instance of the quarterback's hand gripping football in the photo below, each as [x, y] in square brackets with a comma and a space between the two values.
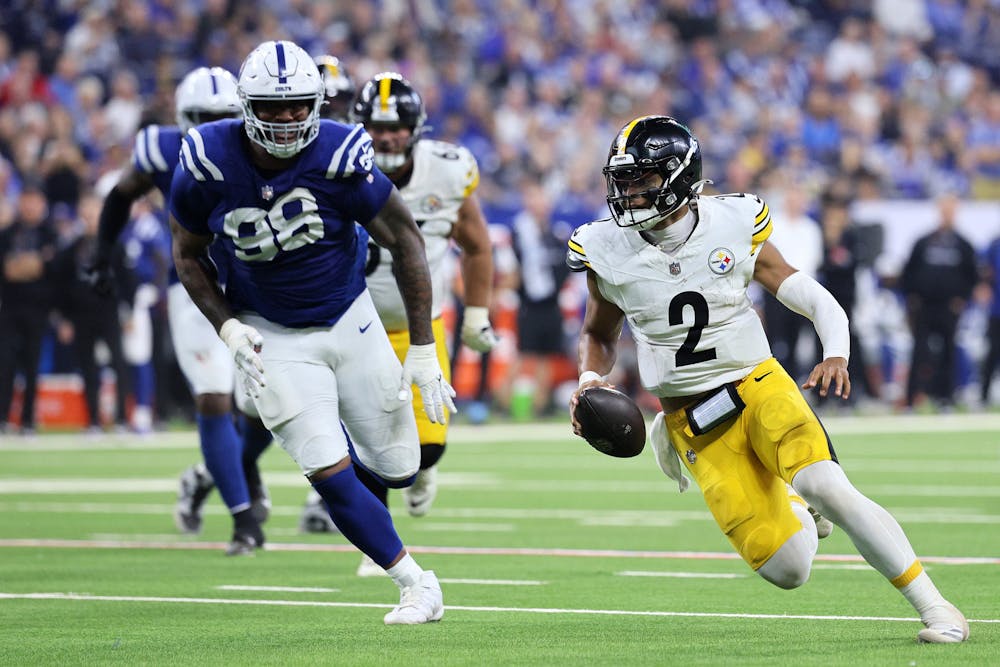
[477, 332]
[422, 369]
[244, 343]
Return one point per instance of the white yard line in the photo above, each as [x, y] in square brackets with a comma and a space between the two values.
[460, 551]
[278, 589]
[80, 597]
[681, 575]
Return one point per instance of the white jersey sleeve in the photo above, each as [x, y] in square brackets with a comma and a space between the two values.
[689, 313]
[444, 175]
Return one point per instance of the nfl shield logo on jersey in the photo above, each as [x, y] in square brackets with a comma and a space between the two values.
[721, 261]
[675, 268]
[267, 193]
[690, 456]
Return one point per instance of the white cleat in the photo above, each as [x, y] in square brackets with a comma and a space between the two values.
[945, 625]
[420, 495]
[418, 604]
[369, 568]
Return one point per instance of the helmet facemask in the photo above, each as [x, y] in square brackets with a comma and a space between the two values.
[639, 198]
[283, 140]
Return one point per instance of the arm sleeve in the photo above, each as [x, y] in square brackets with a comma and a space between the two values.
[808, 298]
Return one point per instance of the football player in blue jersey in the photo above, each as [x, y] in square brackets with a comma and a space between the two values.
[282, 190]
[205, 94]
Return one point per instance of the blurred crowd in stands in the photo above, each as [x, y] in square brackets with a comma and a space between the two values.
[816, 105]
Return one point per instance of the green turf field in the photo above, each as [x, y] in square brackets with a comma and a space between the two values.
[548, 552]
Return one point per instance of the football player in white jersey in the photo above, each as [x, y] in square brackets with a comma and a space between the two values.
[437, 181]
[203, 95]
[677, 266]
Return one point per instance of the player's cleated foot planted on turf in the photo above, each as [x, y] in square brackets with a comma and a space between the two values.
[420, 495]
[195, 485]
[945, 625]
[421, 603]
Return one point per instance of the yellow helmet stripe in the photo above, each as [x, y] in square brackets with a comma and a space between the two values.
[384, 85]
[623, 135]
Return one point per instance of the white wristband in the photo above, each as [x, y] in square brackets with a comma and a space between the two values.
[476, 318]
[590, 376]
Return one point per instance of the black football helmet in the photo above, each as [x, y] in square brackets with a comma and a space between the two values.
[339, 87]
[390, 99]
[655, 159]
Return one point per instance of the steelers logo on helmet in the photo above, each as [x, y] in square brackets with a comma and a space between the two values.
[653, 169]
[721, 261]
[431, 204]
[388, 99]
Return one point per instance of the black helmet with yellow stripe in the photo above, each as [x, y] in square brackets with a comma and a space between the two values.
[388, 99]
[653, 169]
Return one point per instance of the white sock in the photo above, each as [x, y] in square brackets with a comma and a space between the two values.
[922, 593]
[406, 573]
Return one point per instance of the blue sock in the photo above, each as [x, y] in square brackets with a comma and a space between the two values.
[360, 516]
[222, 450]
[143, 383]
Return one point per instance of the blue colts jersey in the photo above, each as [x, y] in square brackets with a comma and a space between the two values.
[297, 256]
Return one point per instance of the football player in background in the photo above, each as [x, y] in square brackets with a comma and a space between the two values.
[677, 265]
[339, 87]
[437, 181]
[283, 190]
[204, 95]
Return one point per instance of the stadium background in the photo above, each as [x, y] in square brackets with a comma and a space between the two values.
[885, 105]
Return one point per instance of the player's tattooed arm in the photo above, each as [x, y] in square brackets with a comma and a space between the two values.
[393, 228]
[197, 273]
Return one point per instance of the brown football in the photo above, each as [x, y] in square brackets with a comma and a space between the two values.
[611, 422]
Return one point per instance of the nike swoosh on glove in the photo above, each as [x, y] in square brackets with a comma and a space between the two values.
[244, 343]
[476, 330]
[422, 369]
[100, 277]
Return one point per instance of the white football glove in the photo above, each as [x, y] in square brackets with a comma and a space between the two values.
[422, 369]
[244, 343]
[476, 330]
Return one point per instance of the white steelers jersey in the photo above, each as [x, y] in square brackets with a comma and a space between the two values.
[689, 313]
[444, 175]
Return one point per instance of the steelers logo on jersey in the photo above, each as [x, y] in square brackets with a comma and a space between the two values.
[721, 261]
[431, 204]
